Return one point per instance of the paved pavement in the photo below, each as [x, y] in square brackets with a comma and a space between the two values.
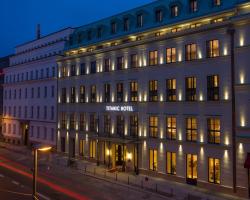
[132, 184]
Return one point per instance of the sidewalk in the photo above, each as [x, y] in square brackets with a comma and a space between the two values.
[170, 189]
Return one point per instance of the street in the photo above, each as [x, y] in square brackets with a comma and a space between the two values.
[56, 182]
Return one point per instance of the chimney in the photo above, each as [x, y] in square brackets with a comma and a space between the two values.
[38, 32]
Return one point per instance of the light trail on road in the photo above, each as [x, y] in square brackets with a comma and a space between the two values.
[53, 186]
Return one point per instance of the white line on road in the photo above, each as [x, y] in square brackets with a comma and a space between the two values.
[43, 196]
[14, 182]
[1, 176]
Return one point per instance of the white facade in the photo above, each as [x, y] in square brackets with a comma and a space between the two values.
[30, 91]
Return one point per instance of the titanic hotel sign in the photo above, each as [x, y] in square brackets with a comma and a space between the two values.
[119, 108]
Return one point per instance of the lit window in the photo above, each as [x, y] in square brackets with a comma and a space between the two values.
[171, 128]
[171, 55]
[217, 2]
[119, 92]
[191, 52]
[81, 147]
[153, 126]
[214, 170]
[72, 95]
[171, 89]
[192, 170]
[213, 49]
[213, 130]
[133, 61]
[82, 94]
[153, 58]
[171, 163]
[190, 89]
[153, 159]
[174, 11]
[153, 90]
[191, 129]
[92, 149]
[133, 91]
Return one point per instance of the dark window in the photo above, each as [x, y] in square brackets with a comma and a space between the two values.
[93, 94]
[79, 37]
[158, 16]
[82, 68]
[171, 89]
[113, 28]
[191, 129]
[93, 123]
[120, 63]
[120, 125]
[191, 52]
[133, 61]
[93, 67]
[213, 48]
[64, 95]
[106, 92]
[63, 120]
[89, 35]
[72, 70]
[119, 92]
[153, 126]
[190, 89]
[174, 11]
[153, 90]
[213, 130]
[82, 123]
[213, 88]
[139, 20]
[72, 95]
[126, 24]
[133, 91]
[193, 5]
[82, 94]
[107, 65]
[134, 125]
[153, 58]
[72, 121]
[107, 124]
[99, 32]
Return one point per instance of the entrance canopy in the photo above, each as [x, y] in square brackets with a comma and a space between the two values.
[247, 162]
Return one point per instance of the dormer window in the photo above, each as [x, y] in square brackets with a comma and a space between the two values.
[79, 38]
[113, 28]
[126, 24]
[193, 6]
[99, 32]
[89, 35]
[174, 11]
[139, 20]
[158, 16]
[70, 40]
[216, 2]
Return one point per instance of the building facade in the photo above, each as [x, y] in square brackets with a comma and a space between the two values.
[30, 90]
[162, 89]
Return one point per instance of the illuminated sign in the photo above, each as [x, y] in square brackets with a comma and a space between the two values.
[120, 108]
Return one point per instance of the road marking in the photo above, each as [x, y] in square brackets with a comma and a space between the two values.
[43, 196]
[1, 176]
[14, 182]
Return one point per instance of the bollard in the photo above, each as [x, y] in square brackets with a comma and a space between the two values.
[156, 189]
[128, 180]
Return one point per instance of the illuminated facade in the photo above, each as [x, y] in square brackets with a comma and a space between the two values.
[30, 90]
[150, 91]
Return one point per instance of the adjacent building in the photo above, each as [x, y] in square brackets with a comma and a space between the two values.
[162, 89]
[30, 90]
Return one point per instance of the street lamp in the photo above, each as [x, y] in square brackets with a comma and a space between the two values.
[36, 148]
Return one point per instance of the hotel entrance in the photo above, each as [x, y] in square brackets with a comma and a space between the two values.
[25, 133]
[120, 152]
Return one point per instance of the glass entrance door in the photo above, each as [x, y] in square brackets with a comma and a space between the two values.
[192, 173]
[119, 154]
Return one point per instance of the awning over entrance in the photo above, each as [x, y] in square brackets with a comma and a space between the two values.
[247, 162]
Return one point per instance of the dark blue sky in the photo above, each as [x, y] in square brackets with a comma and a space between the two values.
[19, 17]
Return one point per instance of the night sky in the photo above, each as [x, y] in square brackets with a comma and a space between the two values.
[19, 17]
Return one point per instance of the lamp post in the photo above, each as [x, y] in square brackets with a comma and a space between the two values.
[36, 148]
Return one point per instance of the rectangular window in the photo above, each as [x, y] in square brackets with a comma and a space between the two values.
[89, 35]
[107, 125]
[72, 121]
[82, 123]
[120, 125]
[133, 61]
[45, 91]
[93, 94]
[99, 32]
[192, 169]
[32, 93]
[213, 130]
[171, 128]
[214, 170]
[191, 89]
[171, 163]
[45, 112]
[213, 48]
[171, 55]
[191, 52]
[63, 120]
[93, 67]
[153, 58]
[171, 89]
[153, 126]
[133, 91]
[64, 95]
[52, 91]
[93, 123]
[193, 6]
[126, 24]
[106, 92]
[113, 28]
[191, 129]
[153, 90]
[134, 125]
[174, 11]
[119, 92]
[81, 147]
[92, 149]
[64, 71]
[120, 63]
[153, 159]
[38, 112]
[52, 112]
[213, 88]
[82, 94]
[82, 69]
[72, 95]
[158, 16]
[139, 20]
[107, 65]
[72, 70]
[216, 2]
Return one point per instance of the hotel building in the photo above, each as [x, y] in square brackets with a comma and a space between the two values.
[162, 89]
[30, 90]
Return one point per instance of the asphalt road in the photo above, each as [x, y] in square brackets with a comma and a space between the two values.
[57, 183]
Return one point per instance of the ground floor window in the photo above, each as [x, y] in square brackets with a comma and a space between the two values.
[171, 163]
[81, 147]
[92, 149]
[153, 159]
[214, 170]
[192, 166]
